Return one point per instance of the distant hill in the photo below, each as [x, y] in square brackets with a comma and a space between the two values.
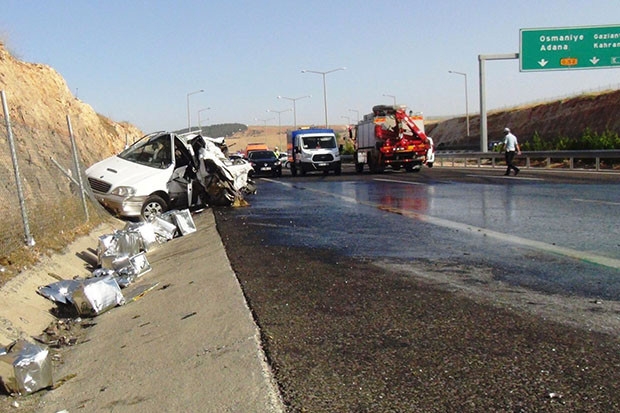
[568, 118]
[272, 136]
[216, 131]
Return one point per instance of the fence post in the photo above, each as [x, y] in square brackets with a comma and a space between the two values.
[76, 165]
[20, 193]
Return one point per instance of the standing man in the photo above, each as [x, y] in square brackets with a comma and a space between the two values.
[510, 146]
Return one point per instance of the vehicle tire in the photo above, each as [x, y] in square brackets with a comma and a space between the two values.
[293, 170]
[338, 170]
[375, 167]
[429, 164]
[359, 168]
[154, 205]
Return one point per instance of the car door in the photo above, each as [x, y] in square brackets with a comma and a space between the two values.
[184, 173]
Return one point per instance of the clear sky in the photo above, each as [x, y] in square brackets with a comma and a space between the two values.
[137, 60]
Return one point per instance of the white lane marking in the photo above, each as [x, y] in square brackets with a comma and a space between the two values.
[596, 201]
[397, 181]
[543, 246]
[522, 178]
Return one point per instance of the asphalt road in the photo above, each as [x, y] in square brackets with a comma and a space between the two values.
[375, 296]
[555, 233]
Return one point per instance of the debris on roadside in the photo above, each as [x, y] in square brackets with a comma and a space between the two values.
[97, 295]
[121, 259]
[59, 333]
[25, 367]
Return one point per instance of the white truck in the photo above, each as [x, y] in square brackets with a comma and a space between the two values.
[313, 149]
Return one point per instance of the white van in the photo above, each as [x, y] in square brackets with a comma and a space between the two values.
[312, 149]
[163, 171]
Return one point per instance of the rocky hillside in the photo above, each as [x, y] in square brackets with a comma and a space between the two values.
[39, 102]
[567, 117]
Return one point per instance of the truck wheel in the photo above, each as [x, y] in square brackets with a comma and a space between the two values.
[359, 168]
[374, 166]
[429, 164]
[154, 205]
[338, 170]
[293, 169]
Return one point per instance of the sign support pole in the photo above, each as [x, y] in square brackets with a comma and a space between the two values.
[483, 104]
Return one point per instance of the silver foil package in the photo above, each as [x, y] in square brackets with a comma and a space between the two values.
[25, 367]
[97, 295]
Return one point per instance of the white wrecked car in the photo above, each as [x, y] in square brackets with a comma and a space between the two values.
[163, 171]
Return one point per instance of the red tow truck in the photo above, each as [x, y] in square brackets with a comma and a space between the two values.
[391, 137]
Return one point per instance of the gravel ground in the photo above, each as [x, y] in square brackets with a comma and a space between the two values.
[351, 335]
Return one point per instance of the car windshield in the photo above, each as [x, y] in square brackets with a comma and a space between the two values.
[151, 150]
[318, 142]
[262, 155]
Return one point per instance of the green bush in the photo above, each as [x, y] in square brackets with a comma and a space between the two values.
[589, 140]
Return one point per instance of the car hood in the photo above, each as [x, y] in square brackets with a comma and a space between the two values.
[119, 172]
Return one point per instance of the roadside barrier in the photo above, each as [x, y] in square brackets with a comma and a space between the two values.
[595, 160]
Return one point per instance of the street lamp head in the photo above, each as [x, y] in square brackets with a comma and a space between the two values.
[322, 73]
[457, 73]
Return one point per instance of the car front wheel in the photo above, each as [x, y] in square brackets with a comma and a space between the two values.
[153, 206]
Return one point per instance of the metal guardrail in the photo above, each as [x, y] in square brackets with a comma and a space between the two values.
[595, 160]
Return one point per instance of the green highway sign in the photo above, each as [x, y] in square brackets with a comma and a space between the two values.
[565, 48]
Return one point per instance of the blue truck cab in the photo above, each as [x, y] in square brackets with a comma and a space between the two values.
[311, 150]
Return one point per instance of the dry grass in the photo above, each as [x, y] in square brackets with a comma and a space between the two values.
[52, 235]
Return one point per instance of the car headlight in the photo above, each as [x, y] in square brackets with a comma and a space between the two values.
[278, 163]
[124, 191]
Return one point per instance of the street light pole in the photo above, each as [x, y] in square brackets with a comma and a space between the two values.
[201, 110]
[466, 99]
[188, 114]
[324, 87]
[391, 96]
[279, 112]
[357, 113]
[294, 108]
[264, 121]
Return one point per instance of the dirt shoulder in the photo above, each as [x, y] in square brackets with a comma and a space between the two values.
[188, 344]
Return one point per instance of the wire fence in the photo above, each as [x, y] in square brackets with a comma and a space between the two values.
[43, 207]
